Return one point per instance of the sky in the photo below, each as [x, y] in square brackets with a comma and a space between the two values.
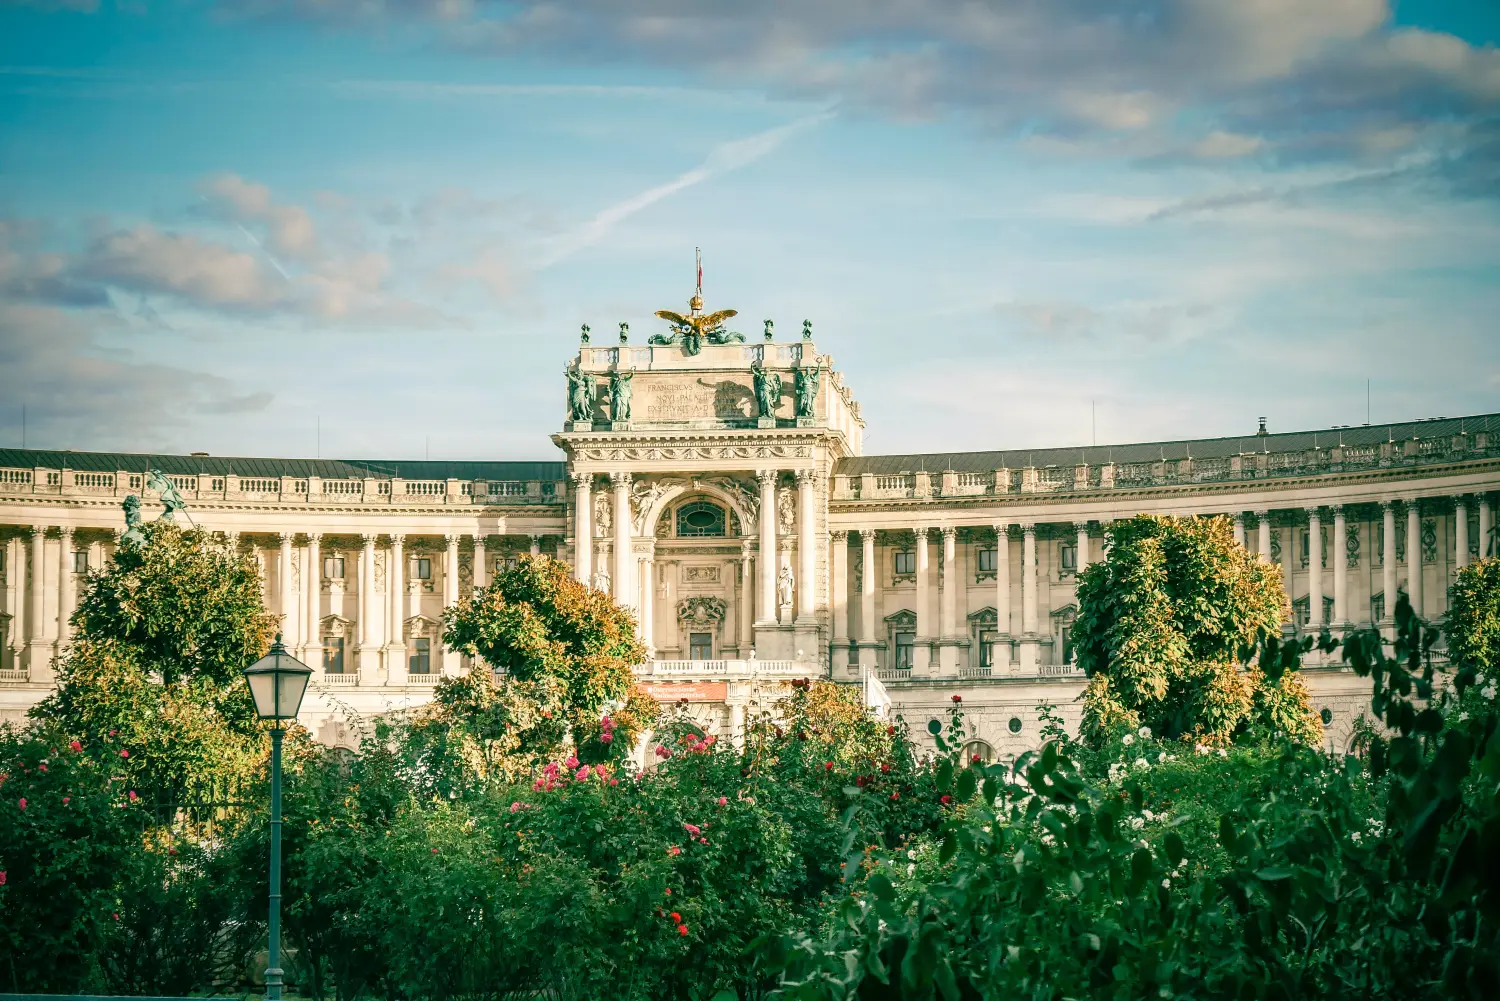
[366, 228]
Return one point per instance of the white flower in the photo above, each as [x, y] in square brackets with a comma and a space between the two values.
[1145, 732]
[1355, 837]
[1223, 753]
[911, 867]
[1162, 756]
[1141, 763]
[1166, 884]
[911, 853]
[1148, 814]
[1463, 717]
[1136, 823]
[1201, 749]
[1128, 739]
[1488, 691]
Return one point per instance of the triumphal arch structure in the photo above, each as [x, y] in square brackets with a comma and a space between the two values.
[716, 483]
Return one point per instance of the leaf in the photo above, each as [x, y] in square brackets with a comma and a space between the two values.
[1272, 873]
[880, 885]
[967, 785]
[1176, 851]
[1140, 869]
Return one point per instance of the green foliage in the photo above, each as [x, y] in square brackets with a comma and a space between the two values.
[1473, 625]
[1164, 621]
[566, 652]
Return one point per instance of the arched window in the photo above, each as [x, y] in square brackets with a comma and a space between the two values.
[978, 752]
[700, 518]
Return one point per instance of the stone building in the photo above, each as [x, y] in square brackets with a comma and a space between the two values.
[719, 488]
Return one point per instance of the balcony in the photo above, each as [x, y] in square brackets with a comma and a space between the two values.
[726, 669]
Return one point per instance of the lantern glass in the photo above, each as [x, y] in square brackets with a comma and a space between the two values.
[277, 683]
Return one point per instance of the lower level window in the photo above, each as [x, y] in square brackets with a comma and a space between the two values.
[904, 644]
[333, 655]
[419, 661]
[987, 648]
[701, 646]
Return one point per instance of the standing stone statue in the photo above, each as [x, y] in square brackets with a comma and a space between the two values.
[624, 332]
[580, 395]
[619, 395]
[807, 330]
[785, 583]
[767, 389]
[600, 581]
[770, 326]
[170, 498]
[583, 334]
[807, 388]
[133, 521]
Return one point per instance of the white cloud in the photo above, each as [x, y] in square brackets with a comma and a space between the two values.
[146, 259]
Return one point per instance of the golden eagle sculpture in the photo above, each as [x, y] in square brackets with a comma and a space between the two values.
[697, 326]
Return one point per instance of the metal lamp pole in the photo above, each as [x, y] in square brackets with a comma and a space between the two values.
[273, 950]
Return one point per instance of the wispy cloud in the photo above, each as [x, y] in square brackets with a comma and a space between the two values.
[722, 159]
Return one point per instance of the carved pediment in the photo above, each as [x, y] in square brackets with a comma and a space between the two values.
[984, 617]
[702, 609]
[421, 627]
[904, 619]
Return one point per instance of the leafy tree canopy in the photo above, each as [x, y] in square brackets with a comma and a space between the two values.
[1473, 625]
[1164, 621]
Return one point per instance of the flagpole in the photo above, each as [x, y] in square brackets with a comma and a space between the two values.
[698, 260]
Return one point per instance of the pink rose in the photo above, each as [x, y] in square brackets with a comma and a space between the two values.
[75, 745]
[133, 796]
[583, 773]
[606, 737]
[23, 802]
[572, 761]
[124, 753]
[2, 877]
[692, 829]
[723, 800]
[515, 806]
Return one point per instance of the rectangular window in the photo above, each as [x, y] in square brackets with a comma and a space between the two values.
[81, 562]
[333, 655]
[989, 560]
[420, 659]
[701, 646]
[1068, 556]
[1067, 644]
[333, 568]
[421, 568]
[1377, 608]
[904, 643]
[987, 647]
[906, 563]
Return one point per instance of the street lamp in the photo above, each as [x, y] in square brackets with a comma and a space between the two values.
[277, 683]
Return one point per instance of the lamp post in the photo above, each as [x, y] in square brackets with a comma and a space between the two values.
[277, 683]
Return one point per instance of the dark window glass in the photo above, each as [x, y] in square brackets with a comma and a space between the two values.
[1069, 557]
[421, 568]
[81, 562]
[701, 646]
[1015, 724]
[700, 518]
[906, 563]
[419, 661]
[987, 648]
[988, 560]
[904, 643]
[333, 655]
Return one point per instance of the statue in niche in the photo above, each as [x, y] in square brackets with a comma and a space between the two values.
[785, 584]
[767, 389]
[619, 395]
[786, 511]
[602, 520]
[807, 388]
[580, 395]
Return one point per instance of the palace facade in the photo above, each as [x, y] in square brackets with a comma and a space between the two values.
[720, 489]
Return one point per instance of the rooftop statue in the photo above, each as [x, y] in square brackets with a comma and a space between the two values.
[619, 395]
[583, 334]
[770, 326]
[624, 332]
[807, 388]
[580, 395]
[767, 389]
[171, 500]
[807, 330]
[696, 327]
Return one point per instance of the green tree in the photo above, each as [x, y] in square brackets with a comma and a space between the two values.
[1473, 625]
[565, 652]
[1164, 622]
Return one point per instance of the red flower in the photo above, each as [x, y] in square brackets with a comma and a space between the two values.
[886, 767]
[75, 745]
[2, 877]
[23, 802]
[890, 731]
[133, 796]
[113, 732]
[676, 918]
[895, 795]
[860, 781]
[43, 766]
[434, 851]
[124, 753]
[116, 916]
[667, 891]
[674, 850]
[828, 766]
[682, 929]
[606, 737]
[946, 799]
[723, 800]
[65, 800]
[958, 698]
[974, 760]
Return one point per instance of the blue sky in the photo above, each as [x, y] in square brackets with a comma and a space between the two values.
[225, 225]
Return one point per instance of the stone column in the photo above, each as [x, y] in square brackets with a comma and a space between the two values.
[1388, 560]
[766, 614]
[1239, 528]
[838, 580]
[1486, 528]
[38, 649]
[867, 577]
[1082, 560]
[737, 723]
[1029, 650]
[481, 560]
[313, 656]
[1340, 568]
[746, 596]
[1263, 533]
[286, 603]
[948, 612]
[807, 564]
[450, 597]
[397, 668]
[65, 588]
[1460, 532]
[646, 571]
[369, 659]
[625, 570]
[921, 653]
[1001, 655]
[1414, 554]
[1314, 570]
[583, 532]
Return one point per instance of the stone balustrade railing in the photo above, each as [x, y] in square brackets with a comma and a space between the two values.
[285, 489]
[752, 668]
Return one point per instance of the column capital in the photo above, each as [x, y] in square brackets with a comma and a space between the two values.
[368, 541]
[65, 531]
[839, 537]
[314, 538]
[1314, 511]
[1338, 510]
[805, 477]
[451, 541]
[1460, 500]
[581, 479]
[1388, 504]
[619, 478]
[747, 548]
[1002, 530]
[1028, 528]
[397, 540]
[921, 533]
[1238, 517]
[534, 538]
[1081, 526]
[767, 476]
[949, 532]
[1262, 514]
[285, 538]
